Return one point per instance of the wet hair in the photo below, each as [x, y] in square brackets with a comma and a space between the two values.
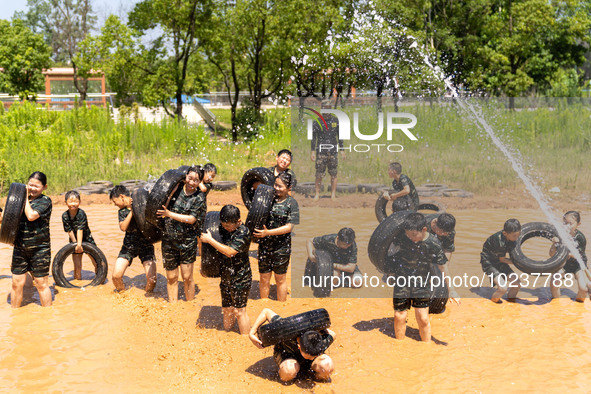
[72, 193]
[400, 204]
[41, 177]
[446, 222]
[119, 190]
[210, 167]
[512, 226]
[229, 214]
[311, 343]
[286, 178]
[286, 151]
[196, 169]
[414, 222]
[395, 166]
[346, 235]
[574, 214]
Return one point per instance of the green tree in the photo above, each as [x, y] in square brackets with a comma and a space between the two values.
[23, 57]
[182, 25]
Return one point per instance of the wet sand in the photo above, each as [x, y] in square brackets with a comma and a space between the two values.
[97, 340]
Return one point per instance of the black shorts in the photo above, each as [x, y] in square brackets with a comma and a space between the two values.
[501, 269]
[276, 261]
[177, 252]
[34, 260]
[145, 252]
[404, 304]
[234, 296]
[324, 160]
[572, 266]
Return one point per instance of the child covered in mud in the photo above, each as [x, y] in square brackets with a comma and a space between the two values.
[283, 162]
[496, 263]
[404, 190]
[32, 248]
[275, 238]
[411, 265]
[134, 243]
[236, 275]
[76, 226]
[184, 214]
[572, 219]
[209, 173]
[343, 251]
[302, 354]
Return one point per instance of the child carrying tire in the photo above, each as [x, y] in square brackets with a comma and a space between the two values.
[32, 248]
[405, 194]
[302, 354]
[236, 275]
[275, 238]
[343, 250]
[496, 264]
[572, 219]
[134, 243]
[76, 226]
[183, 214]
[411, 266]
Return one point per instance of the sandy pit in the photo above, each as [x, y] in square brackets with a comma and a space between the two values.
[98, 340]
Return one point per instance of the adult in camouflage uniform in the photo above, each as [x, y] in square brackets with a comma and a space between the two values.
[236, 275]
[32, 249]
[183, 215]
[275, 238]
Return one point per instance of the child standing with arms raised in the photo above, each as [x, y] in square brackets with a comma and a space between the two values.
[275, 238]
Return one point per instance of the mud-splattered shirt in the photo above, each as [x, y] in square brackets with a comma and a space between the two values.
[35, 233]
[78, 222]
[495, 247]
[404, 180]
[340, 256]
[236, 270]
[282, 213]
[415, 259]
[193, 205]
[133, 235]
[294, 181]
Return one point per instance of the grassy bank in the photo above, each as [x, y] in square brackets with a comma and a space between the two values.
[74, 147]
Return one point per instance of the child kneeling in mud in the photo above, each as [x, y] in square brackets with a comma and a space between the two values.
[495, 263]
[302, 354]
[343, 251]
[236, 275]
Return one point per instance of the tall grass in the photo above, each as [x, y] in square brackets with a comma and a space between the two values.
[85, 144]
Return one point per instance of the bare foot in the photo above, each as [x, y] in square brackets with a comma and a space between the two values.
[316, 197]
[333, 197]
[496, 300]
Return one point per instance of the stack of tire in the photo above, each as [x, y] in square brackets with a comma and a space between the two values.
[292, 327]
[381, 249]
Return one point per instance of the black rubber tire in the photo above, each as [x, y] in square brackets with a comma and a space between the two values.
[382, 237]
[57, 269]
[324, 269]
[370, 187]
[101, 184]
[133, 183]
[224, 185]
[13, 210]
[90, 189]
[257, 174]
[530, 266]
[261, 205]
[160, 193]
[184, 169]
[307, 188]
[346, 188]
[138, 206]
[211, 259]
[381, 206]
[432, 206]
[439, 295]
[293, 326]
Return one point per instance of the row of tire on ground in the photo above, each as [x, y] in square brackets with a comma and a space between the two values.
[104, 187]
